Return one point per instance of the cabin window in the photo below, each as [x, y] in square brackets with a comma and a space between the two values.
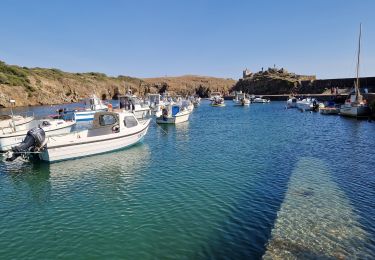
[107, 120]
[130, 121]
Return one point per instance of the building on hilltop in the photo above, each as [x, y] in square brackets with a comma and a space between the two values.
[246, 73]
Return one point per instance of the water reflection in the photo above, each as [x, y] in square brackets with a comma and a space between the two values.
[116, 167]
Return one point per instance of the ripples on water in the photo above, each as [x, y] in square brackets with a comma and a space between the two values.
[233, 182]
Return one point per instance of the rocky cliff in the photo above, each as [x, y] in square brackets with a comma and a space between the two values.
[272, 82]
[40, 86]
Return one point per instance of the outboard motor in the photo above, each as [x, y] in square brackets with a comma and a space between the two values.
[34, 139]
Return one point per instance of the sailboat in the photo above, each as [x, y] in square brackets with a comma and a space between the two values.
[355, 105]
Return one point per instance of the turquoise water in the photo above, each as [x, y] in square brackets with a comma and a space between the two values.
[233, 182]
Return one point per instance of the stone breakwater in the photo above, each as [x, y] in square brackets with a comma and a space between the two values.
[279, 81]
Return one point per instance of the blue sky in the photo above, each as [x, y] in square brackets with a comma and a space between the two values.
[216, 38]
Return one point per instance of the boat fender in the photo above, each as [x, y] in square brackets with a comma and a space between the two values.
[115, 129]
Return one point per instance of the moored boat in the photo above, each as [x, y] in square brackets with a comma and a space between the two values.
[308, 104]
[355, 105]
[260, 100]
[329, 110]
[110, 131]
[241, 100]
[174, 114]
[135, 105]
[291, 102]
[218, 102]
[92, 105]
[11, 123]
[51, 127]
[214, 95]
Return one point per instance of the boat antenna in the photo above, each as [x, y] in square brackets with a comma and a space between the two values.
[12, 103]
[357, 92]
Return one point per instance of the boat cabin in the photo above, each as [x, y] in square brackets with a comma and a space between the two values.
[111, 122]
[94, 103]
[154, 99]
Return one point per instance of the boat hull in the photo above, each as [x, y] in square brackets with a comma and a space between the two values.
[173, 120]
[305, 106]
[93, 146]
[354, 111]
[329, 111]
[239, 103]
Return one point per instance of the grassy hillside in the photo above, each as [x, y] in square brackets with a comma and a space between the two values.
[41, 86]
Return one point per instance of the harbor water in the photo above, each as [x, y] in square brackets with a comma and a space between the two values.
[233, 182]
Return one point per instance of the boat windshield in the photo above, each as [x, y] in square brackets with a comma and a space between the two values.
[107, 119]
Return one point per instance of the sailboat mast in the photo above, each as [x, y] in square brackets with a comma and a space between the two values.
[359, 53]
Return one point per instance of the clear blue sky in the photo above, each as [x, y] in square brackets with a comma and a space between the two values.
[174, 37]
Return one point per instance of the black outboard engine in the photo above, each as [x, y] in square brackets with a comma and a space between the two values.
[34, 139]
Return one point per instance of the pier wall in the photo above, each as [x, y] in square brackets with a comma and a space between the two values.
[321, 85]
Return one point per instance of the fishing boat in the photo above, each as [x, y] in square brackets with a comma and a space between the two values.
[329, 108]
[355, 105]
[174, 114]
[291, 102]
[308, 104]
[92, 105]
[156, 104]
[241, 99]
[214, 95]
[133, 104]
[51, 127]
[218, 102]
[196, 101]
[110, 131]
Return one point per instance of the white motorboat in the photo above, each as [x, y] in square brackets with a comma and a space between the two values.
[195, 100]
[156, 104]
[308, 104]
[291, 102]
[92, 105]
[355, 105]
[261, 100]
[218, 102]
[135, 105]
[11, 123]
[174, 114]
[51, 127]
[110, 131]
[241, 99]
[214, 95]
[187, 104]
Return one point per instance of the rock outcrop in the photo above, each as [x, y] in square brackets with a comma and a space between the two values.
[272, 82]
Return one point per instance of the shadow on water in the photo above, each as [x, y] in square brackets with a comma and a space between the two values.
[245, 232]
